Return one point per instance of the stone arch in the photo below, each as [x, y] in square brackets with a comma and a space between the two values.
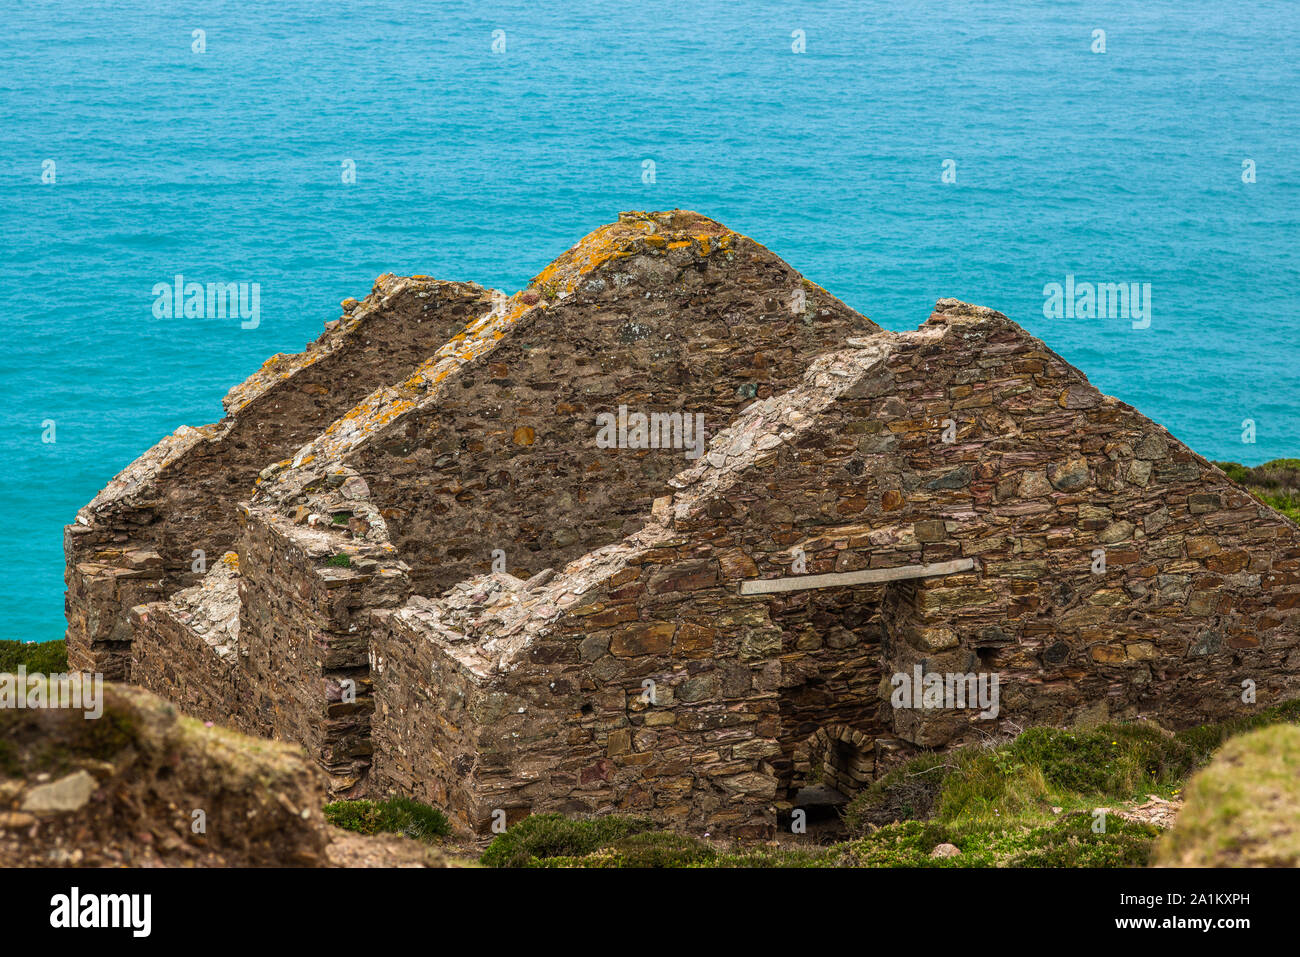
[842, 757]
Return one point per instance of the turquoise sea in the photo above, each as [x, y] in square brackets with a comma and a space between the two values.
[227, 165]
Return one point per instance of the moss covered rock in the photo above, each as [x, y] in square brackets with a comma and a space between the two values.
[1243, 809]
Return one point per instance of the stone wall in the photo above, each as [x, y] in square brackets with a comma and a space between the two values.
[492, 442]
[186, 649]
[956, 500]
[1201, 583]
[304, 638]
[107, 573]
[136, 541]
[965, 467]
[439, 698]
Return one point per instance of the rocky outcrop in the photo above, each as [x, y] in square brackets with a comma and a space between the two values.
[142, 786]
[170, 514]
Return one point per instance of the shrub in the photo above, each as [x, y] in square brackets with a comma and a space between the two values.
[1109, 761]
[910, 792]
[1275, 483]
[909, 843]
[646, 849]
[1046, 767]
[1205, 739]
[396, 815]
[47, 657]
[780, 857]
[1071, 842]
[541, 836]
[1066, 842]
[661, 849]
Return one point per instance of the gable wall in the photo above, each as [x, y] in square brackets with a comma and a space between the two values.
[1201, 591]
[135, 542]
[507, 457]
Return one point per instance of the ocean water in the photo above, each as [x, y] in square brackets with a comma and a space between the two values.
[227, 165]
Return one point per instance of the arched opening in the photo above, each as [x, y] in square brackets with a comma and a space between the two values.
[834, 764]
[830, 767]
[830, 688]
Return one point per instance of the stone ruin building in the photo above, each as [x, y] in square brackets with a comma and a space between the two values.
[137, 540]
[447, 588]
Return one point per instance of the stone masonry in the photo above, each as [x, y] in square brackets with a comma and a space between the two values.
[456, 593]
[489, 445]
[171, 512]
[973, 555]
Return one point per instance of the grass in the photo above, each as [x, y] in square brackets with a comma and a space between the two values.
[1068, 841]
[1275, 483]
[396, 815]
[47, 658]
[613, 841]
[341, 560]
[646, 849]
[542, 836]
[1046, 767]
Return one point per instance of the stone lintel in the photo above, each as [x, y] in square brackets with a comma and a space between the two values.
[769, 586]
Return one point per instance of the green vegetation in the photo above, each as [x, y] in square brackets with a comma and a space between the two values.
[48, 658]
[552, 840]
[647, 849]
[1068, 841]
[1044, 768]
[397, 815]
[98, 740]
[1243, 810]
[27, 748]
[341, 518]
[1275, 483]
[770, 856]
[541, 836]
[341, 560]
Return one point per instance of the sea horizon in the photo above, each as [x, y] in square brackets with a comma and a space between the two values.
[894, 158]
